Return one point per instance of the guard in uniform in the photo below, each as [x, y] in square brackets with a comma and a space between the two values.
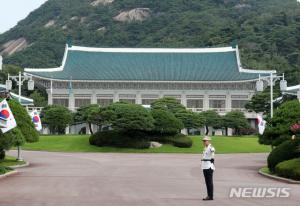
[208, 166]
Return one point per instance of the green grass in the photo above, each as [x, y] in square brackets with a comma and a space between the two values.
[77, 143]
[266, 171]
[10, 161]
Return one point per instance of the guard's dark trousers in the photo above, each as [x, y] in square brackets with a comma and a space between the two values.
[208, 175]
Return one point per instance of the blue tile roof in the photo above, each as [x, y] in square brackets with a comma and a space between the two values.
[149, 66]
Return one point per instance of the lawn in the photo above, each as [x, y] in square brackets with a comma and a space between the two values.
[77, 143]
[10, 161]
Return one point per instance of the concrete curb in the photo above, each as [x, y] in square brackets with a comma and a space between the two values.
[8, 174]
[20, 166]
[281, 179]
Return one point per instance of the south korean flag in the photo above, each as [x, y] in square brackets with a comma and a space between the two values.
[7, 119]
[261, 123]
[36, 120]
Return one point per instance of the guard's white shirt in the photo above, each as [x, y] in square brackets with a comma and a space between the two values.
[208, 154]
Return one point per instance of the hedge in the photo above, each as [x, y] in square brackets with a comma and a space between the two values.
[289, 169]
[285, 151]
[118, 139]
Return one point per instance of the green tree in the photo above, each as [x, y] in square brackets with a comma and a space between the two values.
[279, 126]
[57, 118]
[24, 121]
[190, 119]
[165, 122]
[235, 120]
[168, 103]
[88, 114]
[25, 130]
[129, 117]
[38, 99]
[211, 119]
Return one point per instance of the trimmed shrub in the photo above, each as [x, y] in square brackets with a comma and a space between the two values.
[182, 141]
[118, 139]
[4, 170]
[25, 125]
[57, 118]
[178, 140]
[289, 169]
[285, 151]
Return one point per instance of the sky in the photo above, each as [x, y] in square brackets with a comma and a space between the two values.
[12, 11]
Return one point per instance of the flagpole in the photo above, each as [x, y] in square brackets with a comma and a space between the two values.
[19, 158]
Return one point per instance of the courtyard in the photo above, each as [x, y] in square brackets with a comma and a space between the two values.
[109, 179]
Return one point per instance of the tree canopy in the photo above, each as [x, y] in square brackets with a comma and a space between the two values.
[57, 118]
[279, 126]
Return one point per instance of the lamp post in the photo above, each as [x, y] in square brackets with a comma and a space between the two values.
[271, 82]
[20, 79]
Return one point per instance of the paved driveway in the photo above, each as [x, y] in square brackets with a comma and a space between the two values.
[62, 179]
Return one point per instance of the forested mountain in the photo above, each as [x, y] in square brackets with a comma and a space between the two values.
[267, 31]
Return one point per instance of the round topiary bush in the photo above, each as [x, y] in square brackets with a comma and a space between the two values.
[285, 151]
[289, 169]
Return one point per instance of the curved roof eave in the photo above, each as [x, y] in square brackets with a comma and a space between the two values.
[30, 71]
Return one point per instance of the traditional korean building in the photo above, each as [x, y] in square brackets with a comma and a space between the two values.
[201, 79]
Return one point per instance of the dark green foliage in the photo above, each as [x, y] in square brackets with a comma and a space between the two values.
[12, 138]
[24, 131]
[235, 120]
[6, 142]
[88, 114]
[212, 119]
[180, 140]
[189, 119]
[4, 170]
[57, 118]
[165, 122]
[127, 117]
[289, 169]
[2, 154]
[118, 139]
[24, 122]
[38, 99]
[284, 117]
[177, 140]
[285, 151]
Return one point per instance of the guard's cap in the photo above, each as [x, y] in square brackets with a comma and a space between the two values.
[206, 138]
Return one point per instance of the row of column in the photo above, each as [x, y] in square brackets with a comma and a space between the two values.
[139, 100]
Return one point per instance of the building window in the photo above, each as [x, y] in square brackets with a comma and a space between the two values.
[238, 104]
[104, 102]
[216, 104]
[194, 103]
[61, 102]
[132, 101]
[147, 101]
[82, 102]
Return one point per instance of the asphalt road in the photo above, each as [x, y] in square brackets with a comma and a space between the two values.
[97, 179]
